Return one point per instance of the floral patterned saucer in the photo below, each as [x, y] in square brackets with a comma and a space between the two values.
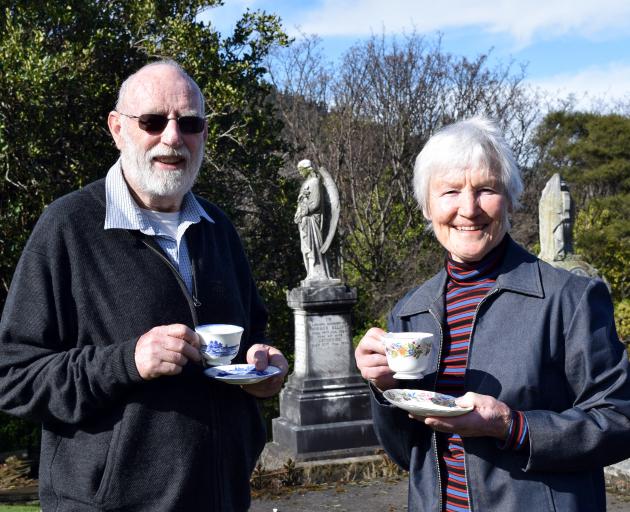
[240, 373]
[425, 403]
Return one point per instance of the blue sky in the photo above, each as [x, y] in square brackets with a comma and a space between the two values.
[569, 46]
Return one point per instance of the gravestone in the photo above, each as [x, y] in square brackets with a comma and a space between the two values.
[556, 216]
[325, 406]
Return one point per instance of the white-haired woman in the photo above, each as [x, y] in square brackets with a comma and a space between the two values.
[532, 349]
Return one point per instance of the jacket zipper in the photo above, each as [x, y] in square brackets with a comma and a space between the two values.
[434, 435]
[195, 293]
[472, 331]
[193, 302]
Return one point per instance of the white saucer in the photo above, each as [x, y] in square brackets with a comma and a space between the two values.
[240, 373]
[424, 403]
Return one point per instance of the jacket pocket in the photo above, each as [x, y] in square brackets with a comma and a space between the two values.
[80, 461]
[157, 451]
[579, 491]
[101, 492]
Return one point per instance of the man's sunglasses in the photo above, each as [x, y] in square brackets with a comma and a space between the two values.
[155, 123]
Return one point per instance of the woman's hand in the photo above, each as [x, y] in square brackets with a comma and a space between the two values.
[372, 362]
[490, 417]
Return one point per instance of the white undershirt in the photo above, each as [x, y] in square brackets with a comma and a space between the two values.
[165, 223]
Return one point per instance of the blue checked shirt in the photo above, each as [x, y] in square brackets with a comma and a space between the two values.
[122, 212]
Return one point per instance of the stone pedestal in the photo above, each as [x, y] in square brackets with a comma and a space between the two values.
[324, 408]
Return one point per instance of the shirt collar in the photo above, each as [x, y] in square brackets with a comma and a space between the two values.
[122, 211]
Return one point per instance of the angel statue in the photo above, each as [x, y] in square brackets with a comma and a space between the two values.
[316, 216]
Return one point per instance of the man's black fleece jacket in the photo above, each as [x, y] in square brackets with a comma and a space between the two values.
[80, 298]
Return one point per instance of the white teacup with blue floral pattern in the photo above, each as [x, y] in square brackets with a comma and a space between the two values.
[219, 343]
[407, 353]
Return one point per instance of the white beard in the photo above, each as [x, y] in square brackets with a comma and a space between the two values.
[139, 168]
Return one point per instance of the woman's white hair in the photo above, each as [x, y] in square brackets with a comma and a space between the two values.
[475, 143]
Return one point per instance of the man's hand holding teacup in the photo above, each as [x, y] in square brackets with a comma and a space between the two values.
[261, 356]
[164, 350]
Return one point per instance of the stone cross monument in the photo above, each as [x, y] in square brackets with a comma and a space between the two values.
[324, 407]
[556, 218]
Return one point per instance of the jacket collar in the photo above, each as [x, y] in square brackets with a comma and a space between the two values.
[518, 273]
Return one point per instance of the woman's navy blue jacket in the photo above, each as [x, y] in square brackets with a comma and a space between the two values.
[544, 342]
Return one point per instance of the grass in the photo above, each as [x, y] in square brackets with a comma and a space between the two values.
[19, 508]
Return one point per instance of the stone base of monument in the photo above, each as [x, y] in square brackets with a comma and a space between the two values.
[325, 418]
[325, 405]
[275, 456]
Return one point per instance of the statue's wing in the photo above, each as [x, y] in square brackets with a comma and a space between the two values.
[332, 197]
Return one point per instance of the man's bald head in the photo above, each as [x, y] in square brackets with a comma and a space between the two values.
[143, 76]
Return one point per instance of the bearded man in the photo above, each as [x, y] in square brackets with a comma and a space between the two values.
[97, 339]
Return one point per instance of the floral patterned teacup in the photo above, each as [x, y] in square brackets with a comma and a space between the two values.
[407, 353]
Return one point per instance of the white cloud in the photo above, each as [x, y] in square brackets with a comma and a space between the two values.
[590, 86]
[521, 20]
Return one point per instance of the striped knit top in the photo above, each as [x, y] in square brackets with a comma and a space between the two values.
[466, 287]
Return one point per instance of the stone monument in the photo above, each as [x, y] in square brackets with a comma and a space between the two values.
[556, 217]
[324, 408]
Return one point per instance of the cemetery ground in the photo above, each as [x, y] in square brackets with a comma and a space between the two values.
[365, 484]
[377, 495]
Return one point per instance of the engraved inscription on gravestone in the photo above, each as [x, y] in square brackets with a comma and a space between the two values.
[321, 344]
[328, 347]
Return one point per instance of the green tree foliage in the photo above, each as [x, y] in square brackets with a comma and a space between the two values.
[602, 237]
[61, 64]
[622, 317]
[592, 153]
